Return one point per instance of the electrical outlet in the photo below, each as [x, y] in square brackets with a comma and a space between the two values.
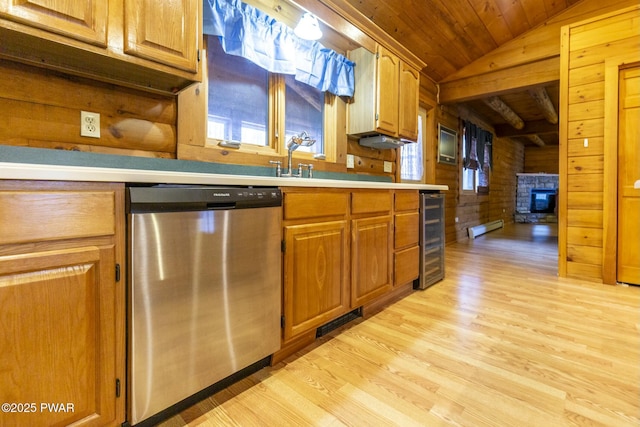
[388, 167]
[89, 124]
[350, 161]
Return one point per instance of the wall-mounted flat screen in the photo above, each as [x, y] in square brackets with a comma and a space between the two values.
[447, 145]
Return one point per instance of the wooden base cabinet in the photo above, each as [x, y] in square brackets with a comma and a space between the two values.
[406, 237]
[371, 245]
[316, 257]
[343, 249]
[315, 280]
[62, 317]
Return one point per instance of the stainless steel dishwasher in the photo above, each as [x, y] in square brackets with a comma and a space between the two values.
[204, 288]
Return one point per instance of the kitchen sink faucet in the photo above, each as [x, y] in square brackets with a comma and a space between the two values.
[301, 140]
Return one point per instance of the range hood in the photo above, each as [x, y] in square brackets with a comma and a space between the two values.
[381, 142]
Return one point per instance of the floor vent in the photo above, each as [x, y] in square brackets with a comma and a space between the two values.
[479, 230]
[342, 320]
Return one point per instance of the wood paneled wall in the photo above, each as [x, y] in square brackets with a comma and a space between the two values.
[370, 161]
[41, 108]
[471, 210]
[500, 203]
[541, 159]
[590, 59]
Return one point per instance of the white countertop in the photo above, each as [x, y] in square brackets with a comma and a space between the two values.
[30, 171]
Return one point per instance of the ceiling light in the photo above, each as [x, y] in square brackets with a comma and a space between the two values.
[308, 28]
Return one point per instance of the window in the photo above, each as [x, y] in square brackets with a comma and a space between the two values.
[254, 104]
[238, 108]
[304, 111]
[476, 165]
[469, 164]
[251, 106]
[411, 156]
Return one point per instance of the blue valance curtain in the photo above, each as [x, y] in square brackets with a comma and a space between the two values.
[250, 33]
[478, 141]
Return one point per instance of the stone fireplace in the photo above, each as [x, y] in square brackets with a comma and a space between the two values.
[536, 197]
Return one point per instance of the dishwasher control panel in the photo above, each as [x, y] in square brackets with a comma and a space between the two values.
[175, 198]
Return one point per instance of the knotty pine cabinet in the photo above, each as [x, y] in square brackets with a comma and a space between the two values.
[406, 257]
[316, 259]
[141, 43]
[371, 245]
[386, 95]
[343, 249]
[63, 304]
[163, 32]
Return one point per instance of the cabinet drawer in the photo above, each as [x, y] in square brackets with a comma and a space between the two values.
[406, 201]
[407, 229]
[314, 205]
[406, 265]
[36, 216]
[371, 202]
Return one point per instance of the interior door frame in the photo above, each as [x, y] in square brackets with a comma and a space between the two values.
[613, 66]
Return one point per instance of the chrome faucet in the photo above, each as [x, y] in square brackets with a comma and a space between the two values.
[301, 140]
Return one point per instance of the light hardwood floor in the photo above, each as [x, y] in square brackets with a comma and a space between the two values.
[502, 341]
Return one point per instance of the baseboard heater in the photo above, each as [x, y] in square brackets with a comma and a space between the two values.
[481, 229]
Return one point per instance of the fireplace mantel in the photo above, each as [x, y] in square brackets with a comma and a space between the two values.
[537, 174]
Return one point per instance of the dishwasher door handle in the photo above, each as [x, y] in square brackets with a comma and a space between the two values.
[219, 206]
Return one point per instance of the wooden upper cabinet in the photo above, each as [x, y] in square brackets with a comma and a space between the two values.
[388, 92]
[165, 32]
[136, 43]
[84, 20]
[386, 95]
[408, 105]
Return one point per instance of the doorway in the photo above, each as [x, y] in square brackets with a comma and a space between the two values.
[628, 233]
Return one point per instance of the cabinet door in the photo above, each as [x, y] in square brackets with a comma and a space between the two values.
[409, 98]
[315, 275]
[371, 259]
[406, 265]
[57, 336]
[84, 20]
[407, 230]
[388, 97]
[165, 31]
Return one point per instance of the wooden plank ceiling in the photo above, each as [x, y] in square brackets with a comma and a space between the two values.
[450, 34]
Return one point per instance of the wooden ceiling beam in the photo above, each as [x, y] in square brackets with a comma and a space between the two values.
[538, 127]
[505, 111]
[536, 140]
[514, 79]
[540, 95]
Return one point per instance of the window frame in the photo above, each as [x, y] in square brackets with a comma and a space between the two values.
[476, 172]
[422, 133]
[276, 146]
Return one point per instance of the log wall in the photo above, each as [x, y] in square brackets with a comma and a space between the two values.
[592, 53]
[541, 159]
[472, 209]
[41, 108]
